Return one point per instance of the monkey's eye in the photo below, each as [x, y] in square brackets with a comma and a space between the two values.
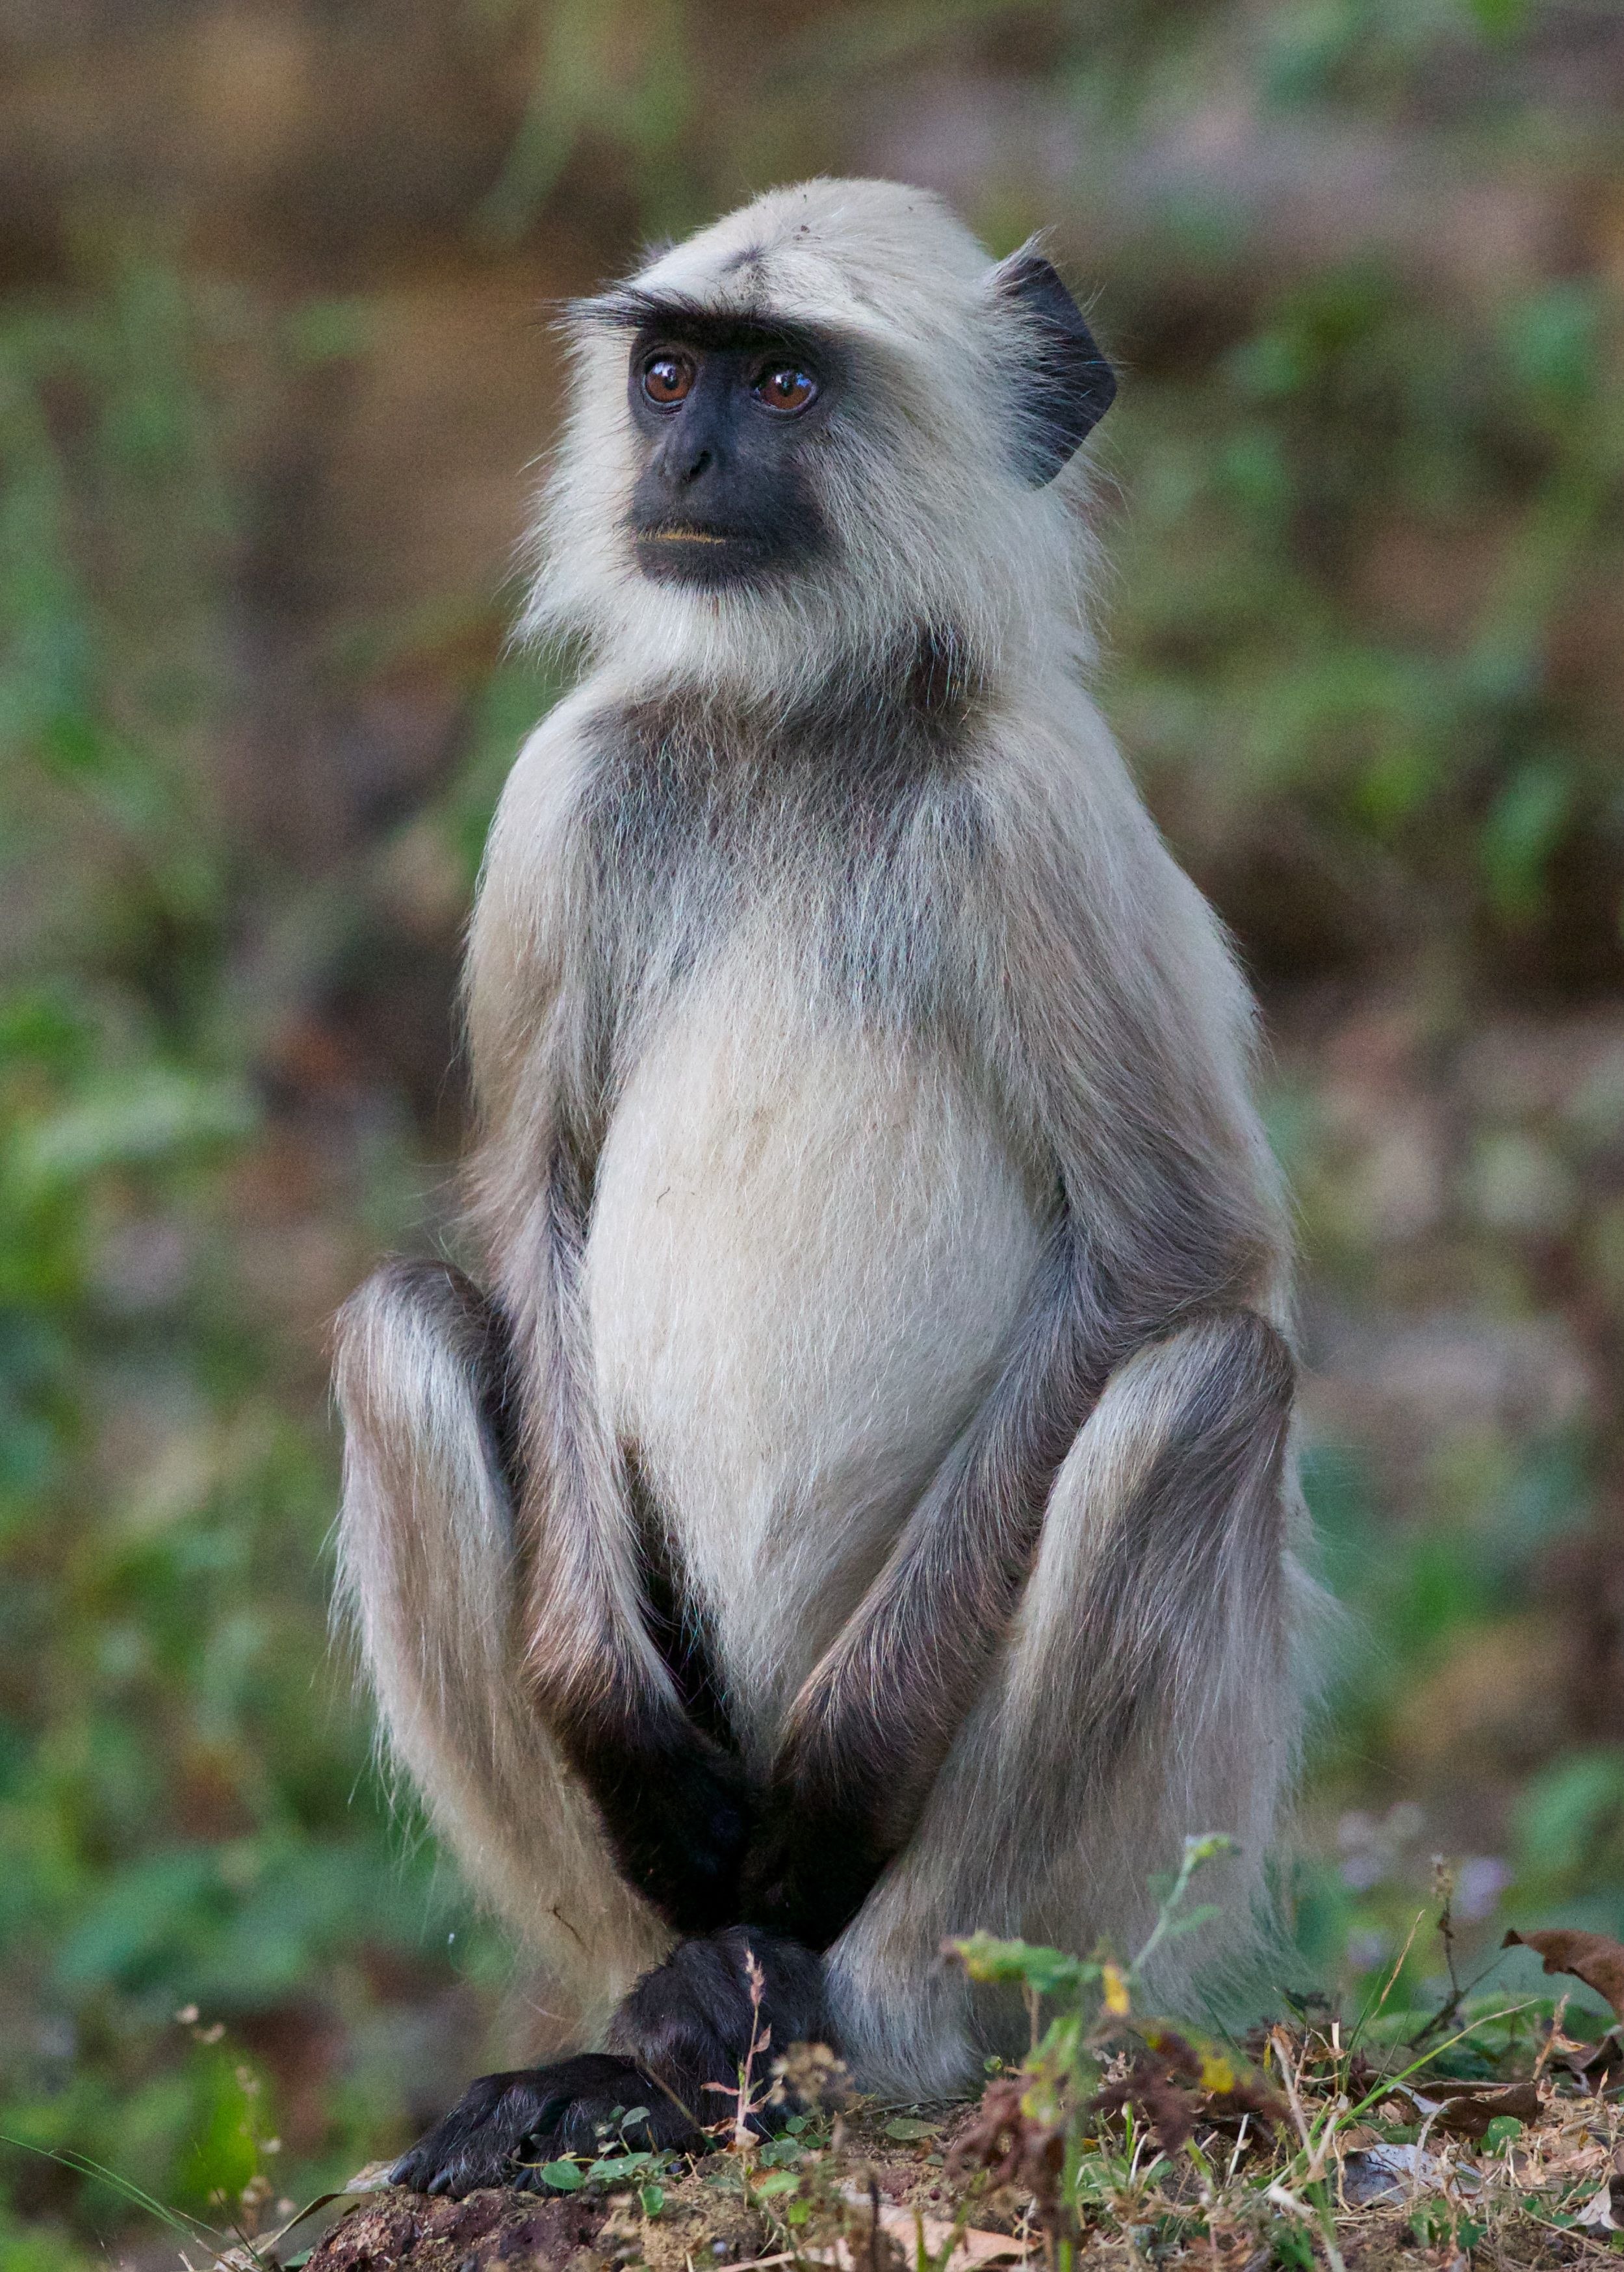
[784, 387]
[667, 380]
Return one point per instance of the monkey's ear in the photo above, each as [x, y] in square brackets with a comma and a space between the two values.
[1067, 386]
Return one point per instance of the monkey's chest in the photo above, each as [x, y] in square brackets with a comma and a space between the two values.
[808, 1247]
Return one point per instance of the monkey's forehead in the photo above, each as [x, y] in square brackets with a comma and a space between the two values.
[846, 252]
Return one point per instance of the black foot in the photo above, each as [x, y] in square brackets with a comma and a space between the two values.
[504, 2125]
[691, 2018]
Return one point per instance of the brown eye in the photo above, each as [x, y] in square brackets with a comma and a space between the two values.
[667, 379]
[786, 388]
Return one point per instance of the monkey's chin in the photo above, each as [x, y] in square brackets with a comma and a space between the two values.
[708, 560]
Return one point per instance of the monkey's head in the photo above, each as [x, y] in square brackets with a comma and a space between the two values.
[820, 427]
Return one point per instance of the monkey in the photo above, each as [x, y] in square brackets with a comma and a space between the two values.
[850, 1499]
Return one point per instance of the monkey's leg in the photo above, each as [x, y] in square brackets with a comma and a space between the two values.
[427, 1571]
[1145, 1694]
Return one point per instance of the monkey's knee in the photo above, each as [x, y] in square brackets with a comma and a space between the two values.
[425, 1546]
[1161, 1568]
[1211, 1407]
[1187, 1440]
[423, 1380]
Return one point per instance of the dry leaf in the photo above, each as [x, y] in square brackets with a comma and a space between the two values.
[909, 2226]
[1601, 2065]
[1467, 2108]
[1600, 2213]
[1388, 2173]
[1593, 1957]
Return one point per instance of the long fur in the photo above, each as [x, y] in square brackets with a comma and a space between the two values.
[869, 1182]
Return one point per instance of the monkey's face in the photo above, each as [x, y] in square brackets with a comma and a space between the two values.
[727, 419]
[840, 426]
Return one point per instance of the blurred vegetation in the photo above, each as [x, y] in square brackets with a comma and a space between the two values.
[1365, 633]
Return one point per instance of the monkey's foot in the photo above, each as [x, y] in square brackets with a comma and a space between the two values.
[504, 2126]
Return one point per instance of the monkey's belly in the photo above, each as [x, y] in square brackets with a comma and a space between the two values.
[807, 1252]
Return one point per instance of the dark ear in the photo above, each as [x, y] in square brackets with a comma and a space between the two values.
[1067, 386]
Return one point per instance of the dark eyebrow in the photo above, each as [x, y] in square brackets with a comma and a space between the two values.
[674, 314]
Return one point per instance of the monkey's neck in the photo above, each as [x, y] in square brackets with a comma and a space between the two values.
[926, 685]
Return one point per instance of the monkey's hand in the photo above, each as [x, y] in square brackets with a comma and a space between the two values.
[810, 1867]
[679, 1813]
[504, 2126]
[677, 2037]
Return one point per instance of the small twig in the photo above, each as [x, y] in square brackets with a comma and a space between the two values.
[1373, 2004]
[1551, 2040]
[742, 2090]
[1282, 2048]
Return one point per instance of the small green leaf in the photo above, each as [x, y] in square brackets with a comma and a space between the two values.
[612, 2167]
[776, 2181]
[652, 2198]
[909, 2126]
[1501, 2130]
[563, 2176]
[1046, 1971]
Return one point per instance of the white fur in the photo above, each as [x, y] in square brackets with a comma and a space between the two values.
[807, 1250]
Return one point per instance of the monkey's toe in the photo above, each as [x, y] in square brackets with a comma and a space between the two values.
[504, 2126]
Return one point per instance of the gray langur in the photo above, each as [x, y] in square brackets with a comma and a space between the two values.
[855, 1506]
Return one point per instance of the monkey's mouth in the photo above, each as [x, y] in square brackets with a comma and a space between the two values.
[694, 552]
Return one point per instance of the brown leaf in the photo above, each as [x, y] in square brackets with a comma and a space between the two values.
[907, 2226]
[1467, 2108]
[1598, 2066]
[1593, 1957]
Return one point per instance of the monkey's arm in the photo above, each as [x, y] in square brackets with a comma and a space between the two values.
[673, 1803]
[874, 1722]
[1121, 1025]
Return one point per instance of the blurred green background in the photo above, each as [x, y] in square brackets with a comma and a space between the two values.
[274, 368]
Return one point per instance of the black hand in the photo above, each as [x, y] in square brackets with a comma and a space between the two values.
[504, 2126]
[691, 2021]
[679, 1814]
[810, 1869]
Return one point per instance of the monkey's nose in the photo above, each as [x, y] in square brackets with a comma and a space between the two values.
[693, 449]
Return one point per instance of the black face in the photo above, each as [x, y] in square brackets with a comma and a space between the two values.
[724, 496]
